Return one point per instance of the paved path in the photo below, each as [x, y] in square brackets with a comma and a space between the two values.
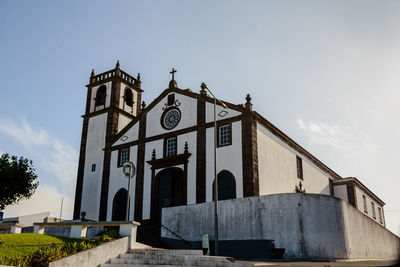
[360, 263]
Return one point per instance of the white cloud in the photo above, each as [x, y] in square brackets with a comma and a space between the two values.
[46, 198]
[340, 137]
[54, 160]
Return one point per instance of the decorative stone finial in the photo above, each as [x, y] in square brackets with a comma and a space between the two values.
[143, 105]
[92, 79]
[299, 189]
[117, 65]
[186, 148]
[203, 87]
[173, 83]
[138, 77]
[248, 104]
[153, 154]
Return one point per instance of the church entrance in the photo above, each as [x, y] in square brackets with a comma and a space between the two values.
[119, 205]
[168, 190]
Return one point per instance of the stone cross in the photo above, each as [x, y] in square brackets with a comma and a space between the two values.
[173, 72]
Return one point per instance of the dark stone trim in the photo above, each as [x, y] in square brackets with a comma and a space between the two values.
[106, 110]
[82, 156]
[169, 161]
[140, 169]
[201, 152]
[111, 130]
[81, 170]
[186, 92]
[250, 156]
[178, 132]
[230, 141]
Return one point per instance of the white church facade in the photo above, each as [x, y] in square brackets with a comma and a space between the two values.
[171, 143]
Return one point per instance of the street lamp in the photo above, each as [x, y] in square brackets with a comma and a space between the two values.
[129, 170]
[203, 86]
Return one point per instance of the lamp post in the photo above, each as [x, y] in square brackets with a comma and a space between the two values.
[129, 170]
[203, 86]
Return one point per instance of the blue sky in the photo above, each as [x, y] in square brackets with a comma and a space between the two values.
[324, 72]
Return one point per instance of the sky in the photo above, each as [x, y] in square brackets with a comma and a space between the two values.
[324, 72]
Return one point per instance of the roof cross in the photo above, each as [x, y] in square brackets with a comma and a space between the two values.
[173, 72]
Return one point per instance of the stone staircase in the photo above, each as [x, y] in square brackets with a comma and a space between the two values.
[162, 258]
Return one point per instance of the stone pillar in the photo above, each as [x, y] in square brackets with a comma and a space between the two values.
[15, 229]
[38, 229]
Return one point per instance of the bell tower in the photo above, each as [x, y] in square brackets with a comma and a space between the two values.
[113, 100]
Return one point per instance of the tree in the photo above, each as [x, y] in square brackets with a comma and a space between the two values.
[18, 180]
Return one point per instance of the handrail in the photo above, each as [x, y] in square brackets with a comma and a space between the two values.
[175, 234]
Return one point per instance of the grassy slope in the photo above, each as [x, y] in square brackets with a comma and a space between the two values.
[26, 244]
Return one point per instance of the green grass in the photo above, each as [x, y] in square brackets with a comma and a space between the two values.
[27, 244]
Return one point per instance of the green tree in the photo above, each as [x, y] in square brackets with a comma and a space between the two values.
[17, 180]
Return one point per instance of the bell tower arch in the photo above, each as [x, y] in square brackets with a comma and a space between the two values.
[113, 100]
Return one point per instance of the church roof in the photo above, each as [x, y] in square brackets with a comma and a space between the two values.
[240, 108]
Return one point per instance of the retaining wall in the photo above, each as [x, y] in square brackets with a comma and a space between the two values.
[307, 225]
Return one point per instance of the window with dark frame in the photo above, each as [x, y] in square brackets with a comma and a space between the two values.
[123, 156]
[93, 167]
[380, 215]
[101, 95]
[171, 146]
[365, 204]
[373, 210]
[171, 99]
[299, 165]
[224, 135]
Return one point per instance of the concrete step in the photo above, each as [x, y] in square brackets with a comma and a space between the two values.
[171, 257]
[181, 262]
[166, 251]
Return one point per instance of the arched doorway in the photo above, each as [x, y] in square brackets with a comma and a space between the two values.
[226, 186]
[168, 190]
[119, 205]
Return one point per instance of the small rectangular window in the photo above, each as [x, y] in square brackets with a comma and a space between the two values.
[373, 210]
[93, 167]
[123, 156]
[171, 147]
[365, 204]
[380, 215]
[171, 99]
[299, 164]
[225, 135]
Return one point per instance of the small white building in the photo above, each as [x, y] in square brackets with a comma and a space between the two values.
[171, 143]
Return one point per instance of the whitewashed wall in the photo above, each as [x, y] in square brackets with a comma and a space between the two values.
[93, 96]
[188, 110]
[360, 205]
[132, 135]
[210, 112]
[123, 121]
[278, 169]
[228, 158]
[340, 191]
[94, 155]
[118, 180]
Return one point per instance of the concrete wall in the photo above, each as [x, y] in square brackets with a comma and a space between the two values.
[278, 169]
[307, 225]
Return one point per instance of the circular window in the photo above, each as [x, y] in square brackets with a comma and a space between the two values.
[170, 118]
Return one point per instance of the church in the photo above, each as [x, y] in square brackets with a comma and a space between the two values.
[171, 143]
